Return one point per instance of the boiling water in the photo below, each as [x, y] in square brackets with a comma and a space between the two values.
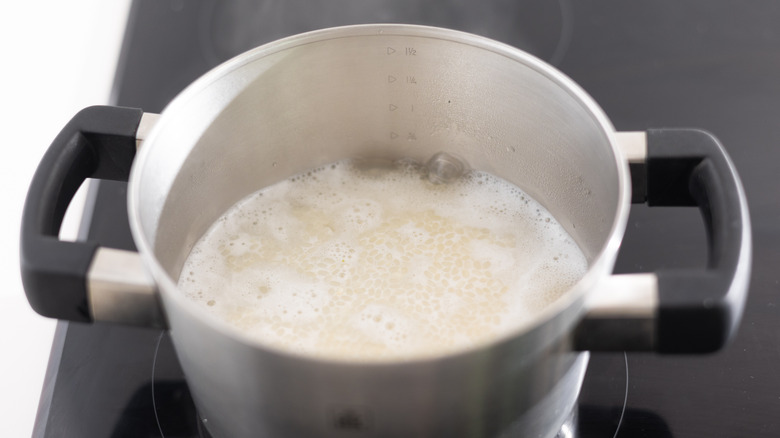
[344, 262]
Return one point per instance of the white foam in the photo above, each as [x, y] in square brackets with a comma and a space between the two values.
[362, 264]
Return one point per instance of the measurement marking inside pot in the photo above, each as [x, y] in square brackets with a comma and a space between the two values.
[408, 79]
[411, 80]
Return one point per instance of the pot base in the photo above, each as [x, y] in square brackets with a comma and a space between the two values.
[555, 416]
[569, 428]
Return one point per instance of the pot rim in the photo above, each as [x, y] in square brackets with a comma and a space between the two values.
[600, 267]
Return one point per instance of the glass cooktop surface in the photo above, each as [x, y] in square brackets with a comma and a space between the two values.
[709, 64]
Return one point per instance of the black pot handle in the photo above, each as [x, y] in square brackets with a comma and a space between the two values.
[700, 310]
[679, 311]
[98, 142]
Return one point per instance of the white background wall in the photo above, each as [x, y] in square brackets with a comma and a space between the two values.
[57, 57]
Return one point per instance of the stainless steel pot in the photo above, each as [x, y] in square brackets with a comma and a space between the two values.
[388, 91]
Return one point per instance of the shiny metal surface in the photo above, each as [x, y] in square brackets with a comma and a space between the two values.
[633, 144]
[557, 408]
[624, 296]
[739, 283]
[378, 92]
[444, 168]
[121, 290]
[507, 117]
[621, 315]
[148, 120]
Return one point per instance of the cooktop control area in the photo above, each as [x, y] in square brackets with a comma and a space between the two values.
[672, 63]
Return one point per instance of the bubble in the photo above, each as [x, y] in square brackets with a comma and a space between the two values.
[379, 262]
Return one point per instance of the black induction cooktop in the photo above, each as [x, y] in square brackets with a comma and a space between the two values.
[711, 64]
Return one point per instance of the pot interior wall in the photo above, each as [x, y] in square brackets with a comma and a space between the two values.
[282, 110]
